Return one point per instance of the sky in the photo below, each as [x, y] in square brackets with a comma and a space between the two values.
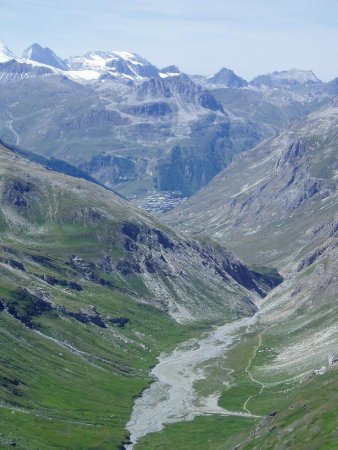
[251, 37]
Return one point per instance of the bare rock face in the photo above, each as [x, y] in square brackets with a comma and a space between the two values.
[15, 193]
[333, 359]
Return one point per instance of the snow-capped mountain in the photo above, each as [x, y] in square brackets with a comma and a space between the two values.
[94, 66]
[118, 64]
[125, 66]
[169, 71]
[45, 56]
[286, 78]
[5, 53]
[13, 68]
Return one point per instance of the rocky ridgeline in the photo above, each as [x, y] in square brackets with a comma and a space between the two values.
[28, 304]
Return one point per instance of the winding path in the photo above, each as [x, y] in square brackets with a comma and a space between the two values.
[247, 370]
[10, 126]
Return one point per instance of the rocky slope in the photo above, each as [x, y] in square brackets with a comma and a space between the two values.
[279, 381]
[223, 78]
[269, 201]
[297, 360]
[92, 289]
[268, 103]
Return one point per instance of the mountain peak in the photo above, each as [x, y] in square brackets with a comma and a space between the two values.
[286, 77]
[170, 69]
[5, 52]
[228, 78]
[44, 56]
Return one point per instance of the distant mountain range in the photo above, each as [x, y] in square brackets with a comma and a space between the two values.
[93, 65]
[97, 64]
[141, 129]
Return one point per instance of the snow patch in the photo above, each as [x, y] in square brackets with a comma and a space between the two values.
[5, 53]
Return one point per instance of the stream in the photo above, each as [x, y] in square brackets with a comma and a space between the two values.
[188, 382]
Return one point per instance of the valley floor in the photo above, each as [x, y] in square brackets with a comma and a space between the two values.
[188, 382]
[219, 401]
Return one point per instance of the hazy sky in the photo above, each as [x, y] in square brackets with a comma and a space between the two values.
[249, 36]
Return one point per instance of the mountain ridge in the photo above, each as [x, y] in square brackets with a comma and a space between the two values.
[141, 131]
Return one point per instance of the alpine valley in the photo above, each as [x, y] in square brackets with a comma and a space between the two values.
[211, 326]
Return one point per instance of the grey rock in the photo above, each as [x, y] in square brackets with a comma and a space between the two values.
[45, 56]
[228, 78]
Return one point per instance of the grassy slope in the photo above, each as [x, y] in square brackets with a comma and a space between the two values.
[64, 382]
[77, 392]
[71, 384]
